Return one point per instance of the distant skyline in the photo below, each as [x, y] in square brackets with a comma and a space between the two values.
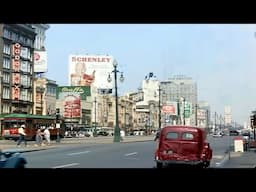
[220, 58]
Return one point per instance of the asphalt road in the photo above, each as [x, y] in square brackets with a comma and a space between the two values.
[113, 155]
[220, 146]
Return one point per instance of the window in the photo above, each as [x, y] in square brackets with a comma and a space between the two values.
[6, 92]
[188, 136]
[6, 77]
[7, 49]
[172, 135]
[6, 63]
[7, 34]
[6, 108]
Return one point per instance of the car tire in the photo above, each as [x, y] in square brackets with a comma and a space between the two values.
[159, 165]
[20, 165]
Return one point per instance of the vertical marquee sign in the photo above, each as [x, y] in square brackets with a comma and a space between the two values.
[16, 49]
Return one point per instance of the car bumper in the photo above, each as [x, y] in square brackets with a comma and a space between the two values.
[180, 162]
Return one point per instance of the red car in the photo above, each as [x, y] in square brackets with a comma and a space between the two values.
[183, 145]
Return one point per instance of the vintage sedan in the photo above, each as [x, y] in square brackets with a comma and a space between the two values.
[183, 145]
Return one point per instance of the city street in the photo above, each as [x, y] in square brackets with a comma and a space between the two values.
[112, 155]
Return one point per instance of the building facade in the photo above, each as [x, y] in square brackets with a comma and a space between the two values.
[45, 96]
[183, 90]
[17, 68]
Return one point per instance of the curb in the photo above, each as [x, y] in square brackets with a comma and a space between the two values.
[59, 144]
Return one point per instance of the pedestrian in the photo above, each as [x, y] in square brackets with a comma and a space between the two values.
[22, 135]
[47, 135]
[122, 134]
[157, 134]
[39, 137]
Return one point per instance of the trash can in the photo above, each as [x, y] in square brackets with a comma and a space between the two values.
[238, 144]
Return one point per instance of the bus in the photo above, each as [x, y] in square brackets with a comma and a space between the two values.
[11, 123]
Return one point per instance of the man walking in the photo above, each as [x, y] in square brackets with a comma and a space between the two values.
[22, 135]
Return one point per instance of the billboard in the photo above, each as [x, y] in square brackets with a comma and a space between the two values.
[71, 98]
[88, 70]
[201, 114]
[170, 108]
[40, 61]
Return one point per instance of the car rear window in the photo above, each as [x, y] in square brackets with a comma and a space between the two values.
[187, 136]
[172, 135]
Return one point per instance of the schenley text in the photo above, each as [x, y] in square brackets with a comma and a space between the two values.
[91, 59]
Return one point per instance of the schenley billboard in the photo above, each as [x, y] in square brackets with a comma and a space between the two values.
[90, 70]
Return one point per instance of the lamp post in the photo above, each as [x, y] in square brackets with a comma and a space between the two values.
[159, 106]
[115, 71]
[196, 106]
[183, 104]
[95, 112]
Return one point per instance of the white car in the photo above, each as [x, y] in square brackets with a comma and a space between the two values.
[217, 135]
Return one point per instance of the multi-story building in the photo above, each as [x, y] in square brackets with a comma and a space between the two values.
[178, 87]
[203, 114]
[45, 96]
[17, 68]
[40, 30]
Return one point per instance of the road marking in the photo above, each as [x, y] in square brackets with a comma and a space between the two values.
[128, 154]
[78, 153]
[217, 156]
[67, 165]
[219, 164]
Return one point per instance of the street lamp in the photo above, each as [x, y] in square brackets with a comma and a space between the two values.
[159, 106]
[115, 71]
[183, 101]
[95, 131]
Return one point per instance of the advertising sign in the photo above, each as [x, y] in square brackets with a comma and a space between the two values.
[87, 70]
[170, 108]
[71, 97]
[40, 61]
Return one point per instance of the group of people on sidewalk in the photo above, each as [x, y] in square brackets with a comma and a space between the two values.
[41, 133]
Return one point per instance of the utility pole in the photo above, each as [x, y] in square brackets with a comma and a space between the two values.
[196, 114]
[215, 124]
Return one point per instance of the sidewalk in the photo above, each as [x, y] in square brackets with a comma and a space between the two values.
[245, 159]
[9, 145]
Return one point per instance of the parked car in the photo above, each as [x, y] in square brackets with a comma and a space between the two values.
[103, 133]
[233, 133]
[12, 160]
[219, 134]
[183, 145]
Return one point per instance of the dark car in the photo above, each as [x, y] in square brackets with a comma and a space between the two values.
[184, 145]
[233, 133]
[103, 133]
[12, 160]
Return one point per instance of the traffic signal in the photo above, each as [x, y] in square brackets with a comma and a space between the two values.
[253, 121]
[58, 114]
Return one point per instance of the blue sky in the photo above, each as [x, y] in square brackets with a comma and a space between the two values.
[220, 57]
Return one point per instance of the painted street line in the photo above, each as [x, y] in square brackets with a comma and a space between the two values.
[67, 165]
[78, 153]
[128, 154]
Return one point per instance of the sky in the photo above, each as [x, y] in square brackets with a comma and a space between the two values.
[221, 58]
